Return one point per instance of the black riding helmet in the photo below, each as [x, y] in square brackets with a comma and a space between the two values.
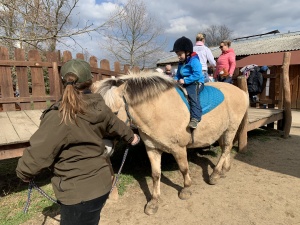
[183, 44]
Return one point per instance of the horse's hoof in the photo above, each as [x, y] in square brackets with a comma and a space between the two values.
[213, 181]
[185, 194]
[223, 174]
[213, 178]
[151, 207]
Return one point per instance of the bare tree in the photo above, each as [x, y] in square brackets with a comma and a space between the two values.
[135, 37]
[217, 33]
[40, 23]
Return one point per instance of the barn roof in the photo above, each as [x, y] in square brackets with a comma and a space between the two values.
[265, 44]
[254, 46]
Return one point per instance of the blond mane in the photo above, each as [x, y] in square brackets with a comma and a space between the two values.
[138, 87]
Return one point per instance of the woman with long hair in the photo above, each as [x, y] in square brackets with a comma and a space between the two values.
[70, 141]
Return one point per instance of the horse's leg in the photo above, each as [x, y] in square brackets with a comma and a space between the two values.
[155, 160]
[181, 159]
[223, 164]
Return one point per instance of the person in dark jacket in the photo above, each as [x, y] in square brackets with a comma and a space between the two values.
[70, 138]
[255, 82]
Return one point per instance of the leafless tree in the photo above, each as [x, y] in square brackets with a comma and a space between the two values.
[135, 37]
[40, 23]
[217, 33]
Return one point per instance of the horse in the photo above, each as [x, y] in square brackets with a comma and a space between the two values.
[151, 102]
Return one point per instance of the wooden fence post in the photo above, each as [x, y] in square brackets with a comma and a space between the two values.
[286, 95]
[94, 64]
[57, 83]
[22, 77]
[126, 69]
[242, 132]
[104, 64]
[6, 81]
[37, 79]
[53, 57]
[67, 55]
[117, 67]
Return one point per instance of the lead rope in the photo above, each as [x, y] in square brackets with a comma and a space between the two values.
[32, 185]
[119, 172]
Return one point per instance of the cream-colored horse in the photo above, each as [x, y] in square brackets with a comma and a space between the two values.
[156, 108]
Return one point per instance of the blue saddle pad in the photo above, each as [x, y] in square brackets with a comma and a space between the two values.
[210, 98]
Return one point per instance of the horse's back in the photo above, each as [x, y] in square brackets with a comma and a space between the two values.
[227, 116]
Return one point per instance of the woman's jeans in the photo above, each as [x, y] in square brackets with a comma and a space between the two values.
[193, 91]
[84, 213]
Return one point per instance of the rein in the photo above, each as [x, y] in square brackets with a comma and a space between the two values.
[129, 116]
[32, 185]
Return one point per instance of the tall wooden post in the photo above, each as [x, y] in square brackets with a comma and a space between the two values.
[242, 133]
[286, 95]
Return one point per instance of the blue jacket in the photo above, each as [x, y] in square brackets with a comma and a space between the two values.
[191, 70]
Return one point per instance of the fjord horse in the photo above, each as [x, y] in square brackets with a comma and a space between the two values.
[152, 103]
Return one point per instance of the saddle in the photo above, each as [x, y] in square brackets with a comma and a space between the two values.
[210, 97]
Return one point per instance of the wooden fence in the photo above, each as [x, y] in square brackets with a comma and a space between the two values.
[43, 72]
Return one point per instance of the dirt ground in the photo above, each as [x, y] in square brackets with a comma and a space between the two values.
[262, 188]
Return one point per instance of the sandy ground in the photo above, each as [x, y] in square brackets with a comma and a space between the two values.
[262, 188]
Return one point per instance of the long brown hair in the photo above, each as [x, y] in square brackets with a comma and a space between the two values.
[72, 101]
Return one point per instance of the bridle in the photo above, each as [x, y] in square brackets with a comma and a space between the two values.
[129, 119]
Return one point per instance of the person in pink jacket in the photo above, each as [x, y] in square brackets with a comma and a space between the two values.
[226, 63]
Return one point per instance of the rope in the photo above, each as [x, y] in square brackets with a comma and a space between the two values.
[30, 187]
[119, 172]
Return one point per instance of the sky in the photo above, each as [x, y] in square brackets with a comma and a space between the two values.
[188, 17]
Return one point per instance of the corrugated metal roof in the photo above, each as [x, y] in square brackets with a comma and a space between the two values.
[170, 59]
[262, 45]
[253, 46]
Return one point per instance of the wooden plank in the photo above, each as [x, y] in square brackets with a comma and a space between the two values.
[79, 56]
[117, 67]
[34, 115]
[23, 125]
[39, 64]
[22, 78]
[57, 81]
[27, 99]
[6, 83]
[52, 57]
[37, 79]
[67, 55]
[94, 65]
[12, 151]
[8, 133]
[104, 64]
[263, 121]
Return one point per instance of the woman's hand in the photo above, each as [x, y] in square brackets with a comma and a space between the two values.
[136, 139]
[181, 81]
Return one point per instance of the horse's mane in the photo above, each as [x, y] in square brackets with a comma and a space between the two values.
[138, 87]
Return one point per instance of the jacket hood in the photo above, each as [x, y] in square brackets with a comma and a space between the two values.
[94, 108]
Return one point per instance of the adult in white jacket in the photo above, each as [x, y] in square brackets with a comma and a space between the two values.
[204, 54]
